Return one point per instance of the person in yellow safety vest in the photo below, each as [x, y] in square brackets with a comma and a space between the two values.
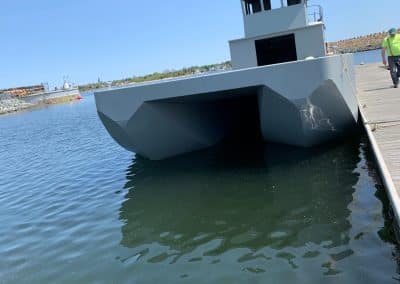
[391, 46]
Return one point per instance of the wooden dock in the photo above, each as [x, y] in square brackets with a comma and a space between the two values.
[380, 109]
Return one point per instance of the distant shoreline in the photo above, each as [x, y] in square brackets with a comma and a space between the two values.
[358, 44]
[10, 104]
[352, 45]
[167, 74]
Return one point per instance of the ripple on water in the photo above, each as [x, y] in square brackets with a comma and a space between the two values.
[75, 207]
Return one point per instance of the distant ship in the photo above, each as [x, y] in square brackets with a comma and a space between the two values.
[284, 87]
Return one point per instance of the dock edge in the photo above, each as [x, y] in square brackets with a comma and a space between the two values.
[385, 176]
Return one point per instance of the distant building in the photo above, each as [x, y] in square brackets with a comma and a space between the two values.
[25, 91]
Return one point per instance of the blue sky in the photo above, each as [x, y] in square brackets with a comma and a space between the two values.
[43, 40]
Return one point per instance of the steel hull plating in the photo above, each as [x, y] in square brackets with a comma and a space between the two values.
[302, 103]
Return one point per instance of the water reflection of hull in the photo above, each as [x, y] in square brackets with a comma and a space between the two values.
[291, 199]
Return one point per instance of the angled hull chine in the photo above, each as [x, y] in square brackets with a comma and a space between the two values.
[302, 103]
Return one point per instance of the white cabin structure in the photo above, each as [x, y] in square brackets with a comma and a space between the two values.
[293, 31]
[283, 89]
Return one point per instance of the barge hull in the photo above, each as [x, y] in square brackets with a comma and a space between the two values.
[302, 103]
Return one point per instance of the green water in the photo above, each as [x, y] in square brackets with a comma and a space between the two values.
[76, 208]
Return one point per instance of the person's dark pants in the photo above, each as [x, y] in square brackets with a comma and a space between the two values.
[394, 66]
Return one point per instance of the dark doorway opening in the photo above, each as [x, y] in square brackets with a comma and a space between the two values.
[243, 120]
[276, 50]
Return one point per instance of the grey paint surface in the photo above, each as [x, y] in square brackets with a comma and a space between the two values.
[301, 103]
[309, 42]
[275, 21]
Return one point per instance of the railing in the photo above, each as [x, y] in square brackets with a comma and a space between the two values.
[315, 13]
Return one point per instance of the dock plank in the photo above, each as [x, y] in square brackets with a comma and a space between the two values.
[379, 104]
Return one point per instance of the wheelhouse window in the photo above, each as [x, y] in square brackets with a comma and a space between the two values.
[255, 6]
[252, 6]
[293, 2]
[267, 5]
